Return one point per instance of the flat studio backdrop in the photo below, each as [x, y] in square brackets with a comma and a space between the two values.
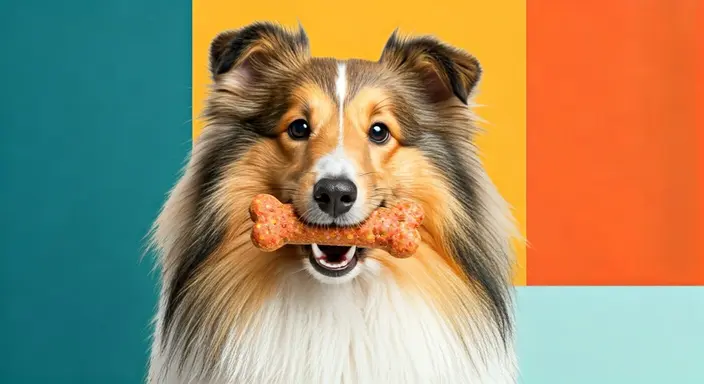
[591, 132]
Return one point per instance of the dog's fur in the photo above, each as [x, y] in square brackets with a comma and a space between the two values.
[229, 313]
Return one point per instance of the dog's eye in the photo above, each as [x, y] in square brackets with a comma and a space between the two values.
[299, 130]
[379, 133]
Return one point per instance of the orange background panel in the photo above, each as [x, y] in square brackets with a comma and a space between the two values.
[493, 31]
[614, 150]
[700, 118]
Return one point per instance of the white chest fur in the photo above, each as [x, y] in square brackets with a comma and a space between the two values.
[365, 331]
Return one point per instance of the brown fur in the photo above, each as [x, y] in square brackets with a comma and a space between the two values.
[265, 81]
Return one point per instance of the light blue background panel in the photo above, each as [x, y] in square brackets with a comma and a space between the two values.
[611, 335]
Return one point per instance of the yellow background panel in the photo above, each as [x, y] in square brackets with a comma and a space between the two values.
[494, 31]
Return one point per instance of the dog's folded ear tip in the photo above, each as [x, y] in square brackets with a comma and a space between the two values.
[444, 70]
[268, 40]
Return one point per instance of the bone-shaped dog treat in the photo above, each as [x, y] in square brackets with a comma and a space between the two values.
[394, 230]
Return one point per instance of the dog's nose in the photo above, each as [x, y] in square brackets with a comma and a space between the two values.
[335, 196]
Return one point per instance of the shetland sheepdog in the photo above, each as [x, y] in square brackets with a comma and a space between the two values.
[337, 139]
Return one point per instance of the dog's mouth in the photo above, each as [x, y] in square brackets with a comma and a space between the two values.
[333, 261]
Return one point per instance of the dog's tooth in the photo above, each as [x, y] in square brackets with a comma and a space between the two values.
[350, 252]
[317, 252]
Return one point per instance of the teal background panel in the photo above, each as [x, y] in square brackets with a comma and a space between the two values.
[94, 126]
[611, 335]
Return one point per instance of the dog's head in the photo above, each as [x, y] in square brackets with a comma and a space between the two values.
[337, 139]
[340, 138]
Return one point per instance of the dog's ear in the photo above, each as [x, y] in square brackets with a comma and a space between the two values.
[444, 71]
[258, 48]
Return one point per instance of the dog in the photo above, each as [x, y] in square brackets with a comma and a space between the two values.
[337, 139]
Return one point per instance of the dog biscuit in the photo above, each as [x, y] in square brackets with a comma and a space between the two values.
[394, 229]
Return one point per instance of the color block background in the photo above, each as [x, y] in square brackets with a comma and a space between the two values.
[94, 125]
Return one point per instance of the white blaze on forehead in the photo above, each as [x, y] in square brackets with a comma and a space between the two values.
[341, 90]
[336, 163]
